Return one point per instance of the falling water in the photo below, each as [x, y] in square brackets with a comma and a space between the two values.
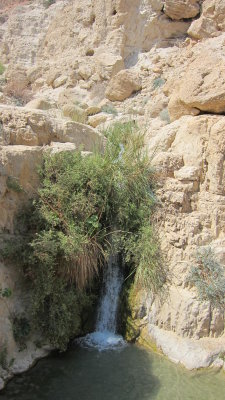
[105, 336]
[112, 282]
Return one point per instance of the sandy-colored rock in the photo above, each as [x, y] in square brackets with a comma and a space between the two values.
[192, 354]
[189, 193]
[211, 22]
[74, 112]
[39, 104]
[60, 81]
[92, 110]
[96, 120]
[123, 85]
[181, 9]
[20, 163]
[202, 87]
[22, 126]
[108, 64]
[188, 173]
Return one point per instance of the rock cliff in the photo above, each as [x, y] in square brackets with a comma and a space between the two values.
[70, 67]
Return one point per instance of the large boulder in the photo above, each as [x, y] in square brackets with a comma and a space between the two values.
[181, 9]
[212, 21]
[202, 86]
[21, 126]
[122, 85]
[18, 180]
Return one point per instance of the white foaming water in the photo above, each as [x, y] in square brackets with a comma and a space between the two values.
[112, 282]
[105, 337]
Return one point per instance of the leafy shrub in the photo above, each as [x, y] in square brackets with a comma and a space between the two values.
[164, 115]
[109, 109]
[21, 330]
[81, 203]
[158, 82]
[48, 3]
[5, 293]
[209, 278]
[2, 68]
[12, 183]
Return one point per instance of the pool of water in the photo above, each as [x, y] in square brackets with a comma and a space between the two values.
[128, 373]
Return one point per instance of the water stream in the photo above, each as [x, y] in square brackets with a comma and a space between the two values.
[105, 336]
[101, 366]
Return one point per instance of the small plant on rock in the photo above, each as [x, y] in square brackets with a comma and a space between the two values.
[48, 3]
[109, 109]
[13, 184]
[2, 68]
[164, 115]
[5, 293]
[158, 82]
[209, 278]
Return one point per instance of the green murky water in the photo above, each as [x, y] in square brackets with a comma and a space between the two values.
[131, 373]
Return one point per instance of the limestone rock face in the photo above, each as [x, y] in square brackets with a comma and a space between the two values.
[211, 23]
[19, 163]
[123, 85]
[179, 9]
[85, 43]
[189, 195]
[202, 86]
[20, 126]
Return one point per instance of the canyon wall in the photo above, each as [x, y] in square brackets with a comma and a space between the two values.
[72, 68]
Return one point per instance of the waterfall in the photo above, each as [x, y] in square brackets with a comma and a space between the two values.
[112, 282]
[105, 336]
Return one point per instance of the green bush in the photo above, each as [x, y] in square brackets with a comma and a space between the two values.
[13, 184]
[5, 293]
[164, 115]
[48, 3]
[82, 203]
[109, 109]
[209, 278]
[2, 68]
[158, 82]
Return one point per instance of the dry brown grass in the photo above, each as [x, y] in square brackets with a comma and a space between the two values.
[84, 266]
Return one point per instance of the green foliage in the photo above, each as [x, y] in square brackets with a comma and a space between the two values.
[158, 82]
[48, 3]
[5, 293]
[3, 356]
[150, 273]
[13, 184]
[21, 330]
[86, 206]
[164, 115]
[222, 356]
[109, 109]
[2, 68]
[209, 278]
